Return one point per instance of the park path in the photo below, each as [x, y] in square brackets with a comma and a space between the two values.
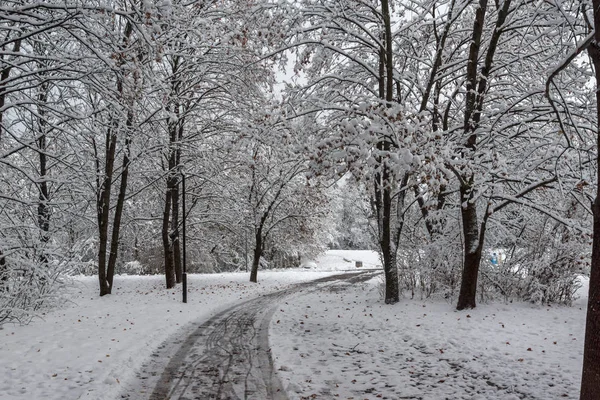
[226, 357]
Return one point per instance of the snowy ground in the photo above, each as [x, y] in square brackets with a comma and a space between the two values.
[339, 260]
[91, 346]
[342, 343]
[346, 344]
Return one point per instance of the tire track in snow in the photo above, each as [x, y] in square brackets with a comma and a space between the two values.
[224, 358]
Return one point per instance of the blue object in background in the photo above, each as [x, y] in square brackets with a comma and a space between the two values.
[494, 259]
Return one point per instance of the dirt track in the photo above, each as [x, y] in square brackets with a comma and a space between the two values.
[225, 358]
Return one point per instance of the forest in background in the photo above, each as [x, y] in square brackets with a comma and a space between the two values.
[439, 133]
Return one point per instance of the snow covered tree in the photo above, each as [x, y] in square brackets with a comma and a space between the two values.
[280, 202]
[35, 63]
[590, 380]
[351, 215]
[345, 49]
[117, 43]
[206, 70]
[500, 112]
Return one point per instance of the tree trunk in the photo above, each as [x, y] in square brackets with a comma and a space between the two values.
[106, 265]
[175, 209]
[175, 235]
[169, 228]
[3, 273]
[136, 248]
[114, 241]
[392, 290]
[172, 250]
[473, 249]
[43, 209]
[590, 379]
[169, 238]
[383, 178]
[473, 107]
[167, 249]
[103, 209]
[383, 208]
[258, 249]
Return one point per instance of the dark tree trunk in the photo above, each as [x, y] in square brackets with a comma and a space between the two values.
[3, 273]
[114, 241]
[169, 214]
[383, 208]
[392, 291]
[43, 209]
[260, 232]
[590, 380]
[171, 245]
[476, 88]
[473, 247]
[175, 235]
[103, 209]
[167, 249]
[384, 177]
[258, 249]
[175, 210]
[106, 265]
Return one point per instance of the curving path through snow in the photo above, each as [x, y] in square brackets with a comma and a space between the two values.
[226, 357]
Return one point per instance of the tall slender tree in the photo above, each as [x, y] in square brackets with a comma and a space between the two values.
[590, 379]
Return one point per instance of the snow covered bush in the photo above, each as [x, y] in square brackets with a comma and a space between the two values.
[541, 263]
[544, 280]
[552, 279]
[430, 270]
[527, 257]
[34, 263]
[28, 285]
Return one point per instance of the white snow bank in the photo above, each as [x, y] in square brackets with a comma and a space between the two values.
[338, 260]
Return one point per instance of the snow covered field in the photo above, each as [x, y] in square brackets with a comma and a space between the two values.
[338, 343]
[91, 346]
[346, 344]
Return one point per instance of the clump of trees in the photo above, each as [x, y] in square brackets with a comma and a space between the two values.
[463, 145]
[104, 106]
[455, 129]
